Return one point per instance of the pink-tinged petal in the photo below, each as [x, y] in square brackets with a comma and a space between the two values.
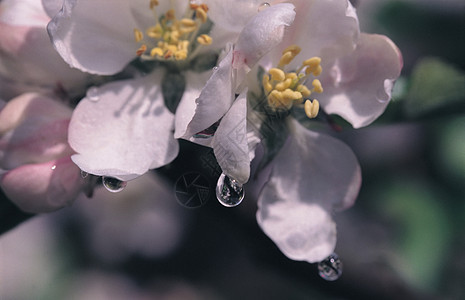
[52, 7]
[321, 28]
[358, 87]
[33, 129]
[312, 175]
[230, 141]
[45, 187]
[23, 13]
[186, 108]
[260, 35]
[123, 129]
[97, 36]
[215, 99]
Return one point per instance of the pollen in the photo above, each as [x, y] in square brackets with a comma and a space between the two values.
[171, 38]
[284, 90]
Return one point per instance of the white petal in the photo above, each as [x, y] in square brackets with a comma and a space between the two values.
[230, 142]
[23, 13]
[261, 34]
[186, 108]
[232, 15]
[321, 28]
[125, 131]
[359, 85]
[312, 175]
[97, 36]
[214, 100]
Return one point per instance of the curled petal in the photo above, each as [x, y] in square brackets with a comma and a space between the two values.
[230, 141]
[123, 129]
[358, 87]
[45, 187]
[312, 175]
[215, 99]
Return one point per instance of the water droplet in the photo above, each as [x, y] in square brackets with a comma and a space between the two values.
[113, 185]
[330, 268]
[215, 68]
[93, 94]
[84, 174]
[54, 167]
[263, 6]
[229, 192]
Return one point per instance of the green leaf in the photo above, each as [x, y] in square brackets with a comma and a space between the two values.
[435, 87]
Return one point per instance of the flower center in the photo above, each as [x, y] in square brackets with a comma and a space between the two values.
[285, 89]
[170, 38]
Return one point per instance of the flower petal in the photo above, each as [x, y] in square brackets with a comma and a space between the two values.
[45, 187]
[230, 141]
[312, 175]
[33, 129]
[215, 99]
[232, 15]
[123, 129]
[88, 38]
[359, 85]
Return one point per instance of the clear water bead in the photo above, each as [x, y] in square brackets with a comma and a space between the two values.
[330, 268]
[93, 94]
[113, 185]
[263, 6]
[228, 192]
[84, 174]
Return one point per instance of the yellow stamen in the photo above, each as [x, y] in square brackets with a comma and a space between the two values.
[281, 86]
[311, 108]
[180, 55]
[138, 35]
[156, 52]
[153, 3]
[141, 50]
[266, 83]
[170, 14]
[277, 74]
[294, 49]
[201, 14]
[317, 86]
[204, 39]
[155, 32]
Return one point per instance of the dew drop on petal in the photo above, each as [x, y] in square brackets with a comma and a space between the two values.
[215, 68]
[84, 174]
[228, 192]
[330, 268]
[93, 94]
[113, 185]
[263, 6]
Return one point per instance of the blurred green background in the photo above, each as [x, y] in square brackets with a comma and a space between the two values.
[403, 239]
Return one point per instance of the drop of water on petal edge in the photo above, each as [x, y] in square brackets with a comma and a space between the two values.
[84, 174]
[93, 94]
[228, 192]
[330, 268]
[113, 185]
[215, 68]
[263, 6]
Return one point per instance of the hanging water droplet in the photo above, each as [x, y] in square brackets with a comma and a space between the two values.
[228, 192]
[330, 268]
[93, 94]
[215, 68]
[113, 185]
[84, 174]
[263, 6]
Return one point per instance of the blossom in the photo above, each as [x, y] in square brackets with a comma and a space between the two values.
[36, 170]
[320, 52]
[28, 62]
[128, 130]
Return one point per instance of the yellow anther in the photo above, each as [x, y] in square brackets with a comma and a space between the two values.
[286, 58]
[281, 86]
[201, 14]
[266, 83]
[170, 14]
[317, 86]
[277, 74]
[303, 90]
[292, 76]
[204, 39]
[174, 37]
[183, 45]
[141, 50]
[168, 54]
[312, 63]
[138, 35]
[204, 7]
[156, 52]
[275, 98]
[290, 95]
[294, 49]
[180, 55]
[187, 25]
[155, 31]
[318, 71]
[311, 108]
[153, 3]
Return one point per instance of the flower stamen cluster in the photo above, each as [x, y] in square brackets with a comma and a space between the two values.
[172, 38]
[285, 89]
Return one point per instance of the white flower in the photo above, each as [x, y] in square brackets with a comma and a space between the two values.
[322, 52]
[129, 130]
